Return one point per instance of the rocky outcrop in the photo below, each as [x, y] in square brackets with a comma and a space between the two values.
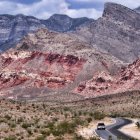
[117, 32]
[64, 23]
[14, 28]
[127, 79]
[138, 9]
[48, 62]
[121, 28]
[85, 63]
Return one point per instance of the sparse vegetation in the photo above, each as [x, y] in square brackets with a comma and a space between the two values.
[138, 125]
[40, 122]
[45, 121]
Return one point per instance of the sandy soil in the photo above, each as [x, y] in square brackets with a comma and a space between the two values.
[89, 132]
[132, 130]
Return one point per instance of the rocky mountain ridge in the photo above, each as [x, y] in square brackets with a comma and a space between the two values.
[50, 62]
[92, 61]
[117, 32]
[127, 79]
[14, 28]
[138, 9]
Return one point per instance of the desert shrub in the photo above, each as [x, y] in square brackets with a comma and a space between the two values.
[84, 113]
[66, 115]
[78, 121]
[80, 113]
[66, 127]
[26, 125]
[45, 132]
[138, 124]
[94, 138]
[63, 128]
[76, 137]
[50, 125]
[59, 138]
[98, 115]
[66, 109]
[20, 120]
[10, 138]
[29, 131]
[12, 124]
[91, 114]
[75, 114]
[89, 120]
[8, 117]
[44, 106]
[40, 138]
[115, 115]
[55, 119]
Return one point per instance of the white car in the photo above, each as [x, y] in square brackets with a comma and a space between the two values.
[101, 126]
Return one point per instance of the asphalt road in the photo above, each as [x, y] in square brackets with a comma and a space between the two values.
[113, 132]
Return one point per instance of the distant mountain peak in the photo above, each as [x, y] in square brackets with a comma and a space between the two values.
[60, 16]
[114, 9]
[15, 27]
[120, 13]
[20, 15]
[64, 23]
[138, 9]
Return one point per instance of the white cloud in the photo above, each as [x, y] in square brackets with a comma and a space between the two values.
[91, 13]
[45, 8]
[128, 3]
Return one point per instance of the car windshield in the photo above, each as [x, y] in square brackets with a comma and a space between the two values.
[101, 124]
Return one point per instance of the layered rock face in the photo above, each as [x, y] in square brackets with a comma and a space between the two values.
[49, 62]
[138, 9]
[117, 32]
[74, 65]
[64, 23]
[14, 28]
[127, 79]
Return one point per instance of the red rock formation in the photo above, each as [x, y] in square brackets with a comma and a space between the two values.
[47, 62]
[70, 67]
[103, 83]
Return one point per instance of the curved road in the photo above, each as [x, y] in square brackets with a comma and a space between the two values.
[113, 132]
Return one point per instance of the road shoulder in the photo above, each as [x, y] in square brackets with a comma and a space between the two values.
[131, 130]
[88, 132]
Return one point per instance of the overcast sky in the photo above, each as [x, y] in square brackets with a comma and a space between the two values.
[74, 8]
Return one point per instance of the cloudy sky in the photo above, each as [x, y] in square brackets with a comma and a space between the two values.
[74, 8]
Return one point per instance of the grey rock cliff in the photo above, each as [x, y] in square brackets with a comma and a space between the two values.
[138, 9]
[117, 32]
[13, 28]
[64, 23]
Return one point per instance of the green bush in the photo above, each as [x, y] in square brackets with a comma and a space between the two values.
[98, 115]
[29, 131]
[12, 124]
[8, 117]
[63, 128]
[94, 138]
[78, 121]
[89, 120]
[26, 125]
[10, 138]
[45, 132]
[76, 137]
[50, 125]
[138, 124]
[40, 138]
